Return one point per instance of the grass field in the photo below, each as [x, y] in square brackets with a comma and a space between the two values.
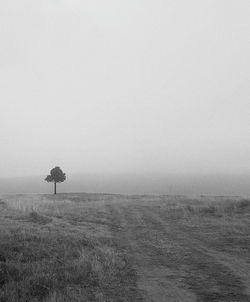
[100, 247]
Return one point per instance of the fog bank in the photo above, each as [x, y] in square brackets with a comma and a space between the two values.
[133, 184]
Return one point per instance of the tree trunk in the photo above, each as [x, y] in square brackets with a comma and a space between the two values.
[54, 187]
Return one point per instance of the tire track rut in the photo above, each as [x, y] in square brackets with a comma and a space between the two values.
[171, 265]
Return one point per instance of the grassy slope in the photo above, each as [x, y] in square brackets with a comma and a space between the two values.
[90, 247]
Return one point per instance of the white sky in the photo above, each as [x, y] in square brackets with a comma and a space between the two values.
[124, 86]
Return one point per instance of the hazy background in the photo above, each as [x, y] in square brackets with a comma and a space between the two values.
[194, 184]
[137, 92]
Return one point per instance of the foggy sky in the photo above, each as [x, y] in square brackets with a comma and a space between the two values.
[124, 86]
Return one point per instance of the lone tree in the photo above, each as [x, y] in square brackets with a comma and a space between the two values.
[56, 175]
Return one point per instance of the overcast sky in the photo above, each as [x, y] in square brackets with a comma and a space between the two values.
[135, 86]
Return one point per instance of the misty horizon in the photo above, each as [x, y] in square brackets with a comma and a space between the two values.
[159, 184]
[126, 88]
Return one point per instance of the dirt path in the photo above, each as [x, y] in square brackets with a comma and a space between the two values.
[172, 264]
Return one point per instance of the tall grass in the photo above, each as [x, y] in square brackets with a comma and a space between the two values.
[50, 261]
[219, 209]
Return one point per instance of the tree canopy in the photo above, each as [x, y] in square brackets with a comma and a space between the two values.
[56, 175]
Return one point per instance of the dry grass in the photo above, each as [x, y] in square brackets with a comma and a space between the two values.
[89, 247]
[229, 207]
[49, 258]
[189, 248]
